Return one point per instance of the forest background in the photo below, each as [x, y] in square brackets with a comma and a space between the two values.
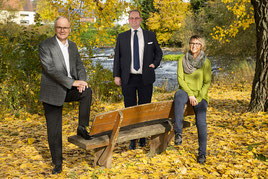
[230, 32]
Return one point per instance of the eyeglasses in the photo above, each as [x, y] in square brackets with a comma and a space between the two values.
[132, 18]
[62, 28]
[195, 44]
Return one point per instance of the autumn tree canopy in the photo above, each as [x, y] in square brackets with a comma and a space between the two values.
[243, 11]
[81, 13]
[168, 18]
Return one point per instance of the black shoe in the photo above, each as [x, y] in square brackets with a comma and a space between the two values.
[132, 145]
[81, 131]
[178, 139]
[201, 159]
[142, 142]
[57, 169]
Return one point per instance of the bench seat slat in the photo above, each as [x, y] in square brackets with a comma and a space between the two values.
[133, 115]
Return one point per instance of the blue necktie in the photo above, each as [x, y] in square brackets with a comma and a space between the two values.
[136, 51]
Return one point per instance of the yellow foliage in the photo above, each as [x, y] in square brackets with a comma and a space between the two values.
[104, 12]
[169, 17]
[30, 140]
[47, 10]
[244, 13]
[235, 140]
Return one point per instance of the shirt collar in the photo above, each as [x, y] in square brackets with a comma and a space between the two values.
[61, 44]
[139, 29]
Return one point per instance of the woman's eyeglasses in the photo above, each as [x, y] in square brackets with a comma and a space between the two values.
[195, 44]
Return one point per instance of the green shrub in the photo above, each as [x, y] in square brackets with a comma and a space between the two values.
[20, 70]
[20, 67]
[102, 83]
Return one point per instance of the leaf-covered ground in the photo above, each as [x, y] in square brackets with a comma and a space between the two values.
[237, 145]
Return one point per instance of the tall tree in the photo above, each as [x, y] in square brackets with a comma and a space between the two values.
[259, 94]
[246, 14]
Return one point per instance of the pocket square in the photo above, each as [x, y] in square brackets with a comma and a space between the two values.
[150, 42]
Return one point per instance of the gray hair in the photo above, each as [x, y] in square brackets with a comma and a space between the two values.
[55, 22]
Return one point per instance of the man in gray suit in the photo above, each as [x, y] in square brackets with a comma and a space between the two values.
[63, 80]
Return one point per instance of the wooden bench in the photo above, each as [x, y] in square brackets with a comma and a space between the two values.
[153, 119]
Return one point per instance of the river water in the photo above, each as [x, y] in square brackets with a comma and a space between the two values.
[166, 73]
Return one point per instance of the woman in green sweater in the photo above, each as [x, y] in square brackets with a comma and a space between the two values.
[194, 77]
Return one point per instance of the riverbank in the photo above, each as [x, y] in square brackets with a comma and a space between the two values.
[237, 144]
[166, 74]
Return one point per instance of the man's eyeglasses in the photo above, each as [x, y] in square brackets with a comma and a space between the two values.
[132, 18]
[195, 44]
[62, 28]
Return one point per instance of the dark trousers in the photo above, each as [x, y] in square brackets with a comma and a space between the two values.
[53, 116]
[135, 88]
[200, 110]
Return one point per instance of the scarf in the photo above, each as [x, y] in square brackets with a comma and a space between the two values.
[190, 64]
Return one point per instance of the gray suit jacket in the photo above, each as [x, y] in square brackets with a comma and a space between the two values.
[54, 78]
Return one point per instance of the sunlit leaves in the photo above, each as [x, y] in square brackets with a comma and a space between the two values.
[243, 11]
[237, 145]
[47, 10]
[101, 13]
[169, 17]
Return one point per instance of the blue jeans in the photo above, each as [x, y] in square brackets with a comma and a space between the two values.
[200, 110]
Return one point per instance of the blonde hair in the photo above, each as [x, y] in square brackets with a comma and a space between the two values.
[202, 41]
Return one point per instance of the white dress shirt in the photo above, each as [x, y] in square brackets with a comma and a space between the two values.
[141, 50]
[64, 50]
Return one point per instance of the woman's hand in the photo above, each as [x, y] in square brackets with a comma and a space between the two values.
[193, 100]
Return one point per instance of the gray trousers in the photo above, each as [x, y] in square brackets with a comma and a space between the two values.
[200, 110]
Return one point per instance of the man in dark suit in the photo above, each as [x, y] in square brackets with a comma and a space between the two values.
[63, 79]
[137, 54]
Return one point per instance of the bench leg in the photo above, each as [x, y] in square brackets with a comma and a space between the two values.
[98, 153]
[170, 136]
[102, 162]
[159, 143]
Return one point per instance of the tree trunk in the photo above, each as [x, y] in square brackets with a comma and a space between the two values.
[259, 94]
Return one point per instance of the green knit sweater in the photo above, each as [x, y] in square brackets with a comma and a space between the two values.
[197, 83]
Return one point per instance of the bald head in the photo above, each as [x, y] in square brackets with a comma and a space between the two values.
[61, 17]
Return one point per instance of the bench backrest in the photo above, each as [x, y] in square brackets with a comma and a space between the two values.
[133, 115]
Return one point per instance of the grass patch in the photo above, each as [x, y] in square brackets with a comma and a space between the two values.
[172, 57]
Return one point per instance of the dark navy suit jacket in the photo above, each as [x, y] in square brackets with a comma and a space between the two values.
[122, 59]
